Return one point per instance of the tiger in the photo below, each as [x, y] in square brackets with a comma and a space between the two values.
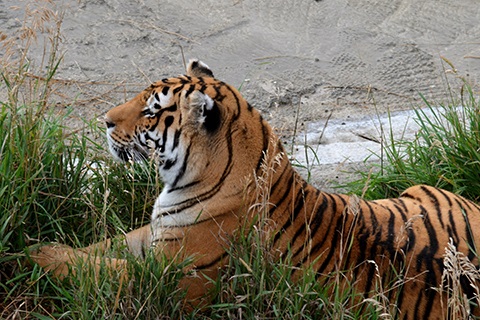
[213, 150]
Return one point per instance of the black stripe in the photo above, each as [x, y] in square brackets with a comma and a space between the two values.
[160, 112]
[430, 249]
[431, 232]
[431, 293]
[266, 140]
[452, 228]
[353, 231]
[218, 96]
[333, 244]
[416, 314]
[169, 239]
[409, 196]
[181, 172]
[317, 220]
[444, 194]
[287, 171]
[303, 225]
[472, 249]
[410, 244]
[213, 262]
[335, 213]
[390, 245]
[189, 90]
[427, 256]
[300, 230]
[399, 205]
[436, 204]
[363, 234]
[372, 251]
[169, 164]
[165, 91]
[154, 126]
[373, 217]
[167, 122]
[465, 203]
[188, 185]
[299, 204]
[176, 139]
[237, 100]
[178, 89]
[285, 194]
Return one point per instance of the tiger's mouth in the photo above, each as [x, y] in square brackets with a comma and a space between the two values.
[133, 152]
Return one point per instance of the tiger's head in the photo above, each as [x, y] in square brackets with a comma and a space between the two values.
[206, 138]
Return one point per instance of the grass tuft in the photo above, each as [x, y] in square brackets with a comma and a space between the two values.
[55, 185]
[443, 154]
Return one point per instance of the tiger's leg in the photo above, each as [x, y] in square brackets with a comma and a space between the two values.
[62, 259]
[136, 242]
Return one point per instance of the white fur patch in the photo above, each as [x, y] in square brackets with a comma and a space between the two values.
[151, 101]
[167, 202]
[200, 63]
[199, 100]
[208, 102]
[164, 101]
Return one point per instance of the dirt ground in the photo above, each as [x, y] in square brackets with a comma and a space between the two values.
[300, 60]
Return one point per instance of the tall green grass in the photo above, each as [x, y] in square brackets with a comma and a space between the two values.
[445, 152]
[258, 285]
[55, 184]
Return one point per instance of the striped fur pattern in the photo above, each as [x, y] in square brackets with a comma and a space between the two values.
[214, 150]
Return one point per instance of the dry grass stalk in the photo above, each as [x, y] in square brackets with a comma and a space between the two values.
[40, 31]
[260, 188]
[458, 269]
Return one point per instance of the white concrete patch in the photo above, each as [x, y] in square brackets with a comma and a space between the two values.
[354, 140]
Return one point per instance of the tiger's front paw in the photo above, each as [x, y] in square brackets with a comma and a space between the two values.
[54, 258]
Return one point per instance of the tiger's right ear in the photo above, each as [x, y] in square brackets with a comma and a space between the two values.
[202, 110]
[197, 68]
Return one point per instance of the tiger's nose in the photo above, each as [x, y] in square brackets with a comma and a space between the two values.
[109, 122]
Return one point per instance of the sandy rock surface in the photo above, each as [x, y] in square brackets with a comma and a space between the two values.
[299, 62]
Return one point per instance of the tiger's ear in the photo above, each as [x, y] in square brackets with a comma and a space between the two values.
[204, 110]
[197, 68]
